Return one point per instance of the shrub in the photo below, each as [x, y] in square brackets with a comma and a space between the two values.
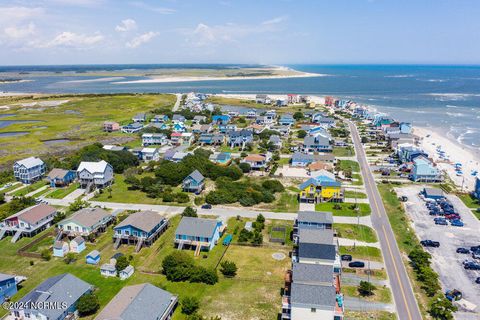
[122, 263]
[366, 288]
[273, 185]
[190, 305]
[69, 258]
[301, 134]
[46, 255]
[228, 268]
[88, 304]
[189, 212]
[245, 167]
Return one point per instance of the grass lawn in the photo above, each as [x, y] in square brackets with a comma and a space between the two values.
[345, 209]
[469, 200]
[343, 152]
[12, 187]
[237, 102]
[358, 179]
[380, 294]
[362, 252]
[353, 231]
[349, 164]
[60, 193]
[30, 188]
[368, 315]
[283, 161]
[355, 194]
[41, 192]
[287, 202]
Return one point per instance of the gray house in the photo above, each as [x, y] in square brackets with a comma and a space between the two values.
[142, 301]
[29, 170]
[317, 143]
[198, 233]
[63, 290]
[194, 182]
[95, 174]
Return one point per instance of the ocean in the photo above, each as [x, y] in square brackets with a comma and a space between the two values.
[444, 98]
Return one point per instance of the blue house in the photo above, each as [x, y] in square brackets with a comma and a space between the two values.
[60, 249]
[224, 128]
[300, 159]
[221, 158]
[286, 120]
[93, 257]
[159, 118]
[476, 193]
[221, 119]
[194, 182]
[198, 233]
[132, 127]
[61, 177]
[405, 127]
[425, 171]
[8, 286]
[140, 228]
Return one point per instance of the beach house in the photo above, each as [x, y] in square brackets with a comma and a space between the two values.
[93, 257]
[159, 118]
[140, 228]
[194, 182]
[317, 143]
[8, 287]
[221, 119]
[63, 290]
[85, 222]
[312, 220]
[158, 139]
[286, 120]
[320, 189]
[150, 154]
[95, 174]
[141, 301]
[132, 127]
[263, 99]
[29, 170]
[108, 269]
[211, 139]
[178, 118]
[111, 126]
[198, 233]
[60, 248]
[28, 222]
[425, 170]
[240, 138]
[139, 117]
[407, 152]
[61, 177]
[77, 244]
[256, 161]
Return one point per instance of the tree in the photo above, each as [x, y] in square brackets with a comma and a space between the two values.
[441, 308]
[2, 197]
[301, 134]
[88, 304]
[298, 115]
[69, 258]
[366, 288]
[257, 238]
[121, 264]
[228, 268]
[189, 212]
[46, 255]
[244, 236]
[245, 167]
[190, 305]
[77, 205]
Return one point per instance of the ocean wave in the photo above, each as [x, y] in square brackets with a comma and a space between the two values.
[400, 76]
[456, 114]
[94, 80]
[433, 80]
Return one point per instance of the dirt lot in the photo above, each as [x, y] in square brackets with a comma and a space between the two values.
[446, 262]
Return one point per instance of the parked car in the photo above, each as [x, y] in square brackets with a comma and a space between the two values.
[463, 250]
[453, 295]
[457, 223]
[475, 248]
[441, 221]
[430, 243]
[356, 264]
[477, 280]
[476, 255]
[207, 206]
[471, 266]
[346, 257]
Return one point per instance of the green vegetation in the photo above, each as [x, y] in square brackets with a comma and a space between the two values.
[355, 194]
[362, 252]
[179, 266]
[61, 193]
[30, 188]
[345, 165]
[88, 304]
[343, 152]
[356, 232]
[344, 209]
[287, 202]
[15, 205]
[382, 294]
[14, 186]
[367, 315]
[366, 288]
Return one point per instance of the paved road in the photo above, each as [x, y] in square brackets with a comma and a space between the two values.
[407, 307]
[177, 103]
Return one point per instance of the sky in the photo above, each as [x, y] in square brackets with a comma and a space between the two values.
[36, 32]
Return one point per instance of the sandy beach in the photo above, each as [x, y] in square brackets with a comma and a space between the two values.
[316, 99]
[457, 153]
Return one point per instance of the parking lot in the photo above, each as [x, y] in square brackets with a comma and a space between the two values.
[446, 262]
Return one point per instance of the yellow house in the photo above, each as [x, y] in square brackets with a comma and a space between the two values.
[322, 189]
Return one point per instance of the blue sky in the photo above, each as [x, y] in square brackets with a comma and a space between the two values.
[239, 31]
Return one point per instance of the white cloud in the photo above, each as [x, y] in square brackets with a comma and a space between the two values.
[274, 20]
[73, 40]
[15, 32]
[126, 25]
[161, 10]
[141, 39]
[16, 14]
[79, 3]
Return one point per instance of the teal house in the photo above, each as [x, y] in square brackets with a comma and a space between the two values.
[425, 171]
[8, 286]
[194, 182]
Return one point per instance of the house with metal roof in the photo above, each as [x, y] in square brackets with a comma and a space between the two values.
[320, 189]
[8, 286]
[425, 170]
[158, 139]
[140, 228]
[61, 292]
[198, 233]
[314, 220]
[194, 182]
[139, 117]
[29, 170]
[317, 143]
[28, 222]
[132, 127]
[77, 244]
[95, 174]
[93, 257]
[86, 221]
[60, 177]
[142, 301]
[286, 120]
[240, 138]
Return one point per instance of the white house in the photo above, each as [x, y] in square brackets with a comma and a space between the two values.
[126, 273]
[95, 174]
[150, 154]
[154, 139]
[29, 170]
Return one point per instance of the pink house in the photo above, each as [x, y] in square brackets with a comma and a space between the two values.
[109, 126]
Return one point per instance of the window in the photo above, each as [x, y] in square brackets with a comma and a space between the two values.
[313, 310]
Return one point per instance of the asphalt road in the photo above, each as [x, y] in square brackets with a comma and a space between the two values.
[405, 302]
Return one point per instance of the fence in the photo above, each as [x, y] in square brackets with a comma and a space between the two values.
[23, 250]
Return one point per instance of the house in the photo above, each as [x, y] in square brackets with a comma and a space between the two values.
[252, 113]
[194, 182]
[179, 127]
[277, 142]
[321, 119]
[317, 143]
[265, 120]
[425, 171]
[263, 99]
[433, 193]
[476, 192]
[132, 127]
[61, 177]
[286, 120]
[313, 220]
[29, 170]
[211, 139]
[77, 244]
[223, 158]
[139, 117]
[199, 119]
[202, 128]
[28, 222]
[405, 128]
[142, 301]
[176, 138]
[301, 159]
[110, 126]
[319, 165]
[292, 98]
[140, 228]
[256, 161]
[159, 118]
[240, 138]
[224, 128]
[126, 273]
[60, 249]
[256, 128]
[178, 156]
[149, 139]
[281, 102]
[63, 290]
[198, 233]
[150, 154]
[178, 118]
[108, 269]
[320, 189]
[282, 129]
[221, 119]
[187, 138]
[313, 302]
[8, 287]
[93, 257]
[110, 147]
[95, 174]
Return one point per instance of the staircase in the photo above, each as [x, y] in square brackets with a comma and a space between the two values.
[180, 246]
[117, 243]
[59, 236]
[2, 234]
[16, 236]
[197, 249]
[139, 245]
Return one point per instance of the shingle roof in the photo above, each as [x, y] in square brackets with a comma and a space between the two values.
[254, 157]
[141, 301]
[315, 217]
[310, 273]
[93, 167]
[315, 235]
[4, 276]
[93, 254]
[313, 296]
[142, 220]
[57, 173]
[197, 176]
[34, 214]
[88, 217]
[78, 240]
[196, 227]
[316, 251]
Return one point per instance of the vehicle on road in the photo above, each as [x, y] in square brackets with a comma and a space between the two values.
[207, 206]
[463, 250]
[346, 257]
[356, 264]
[430, 243]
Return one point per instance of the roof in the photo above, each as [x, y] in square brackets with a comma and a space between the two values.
[196, 227]
[196, 175]
[321, 217]
[30, 162]
[88, 217]
[433, 192]
[108, 267]
[317, 251]
[128, 269]
[78, 240]
[315, 235]
[93, 167]
[298, 156]
[310, 273]
[254, 157]
[142, 220]
[93, 254]
[4, 276]
[313, 296]
[319, 165]
[58, 244]
[141, 301]
[57, 173]
[34, 214]
[64, 288]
